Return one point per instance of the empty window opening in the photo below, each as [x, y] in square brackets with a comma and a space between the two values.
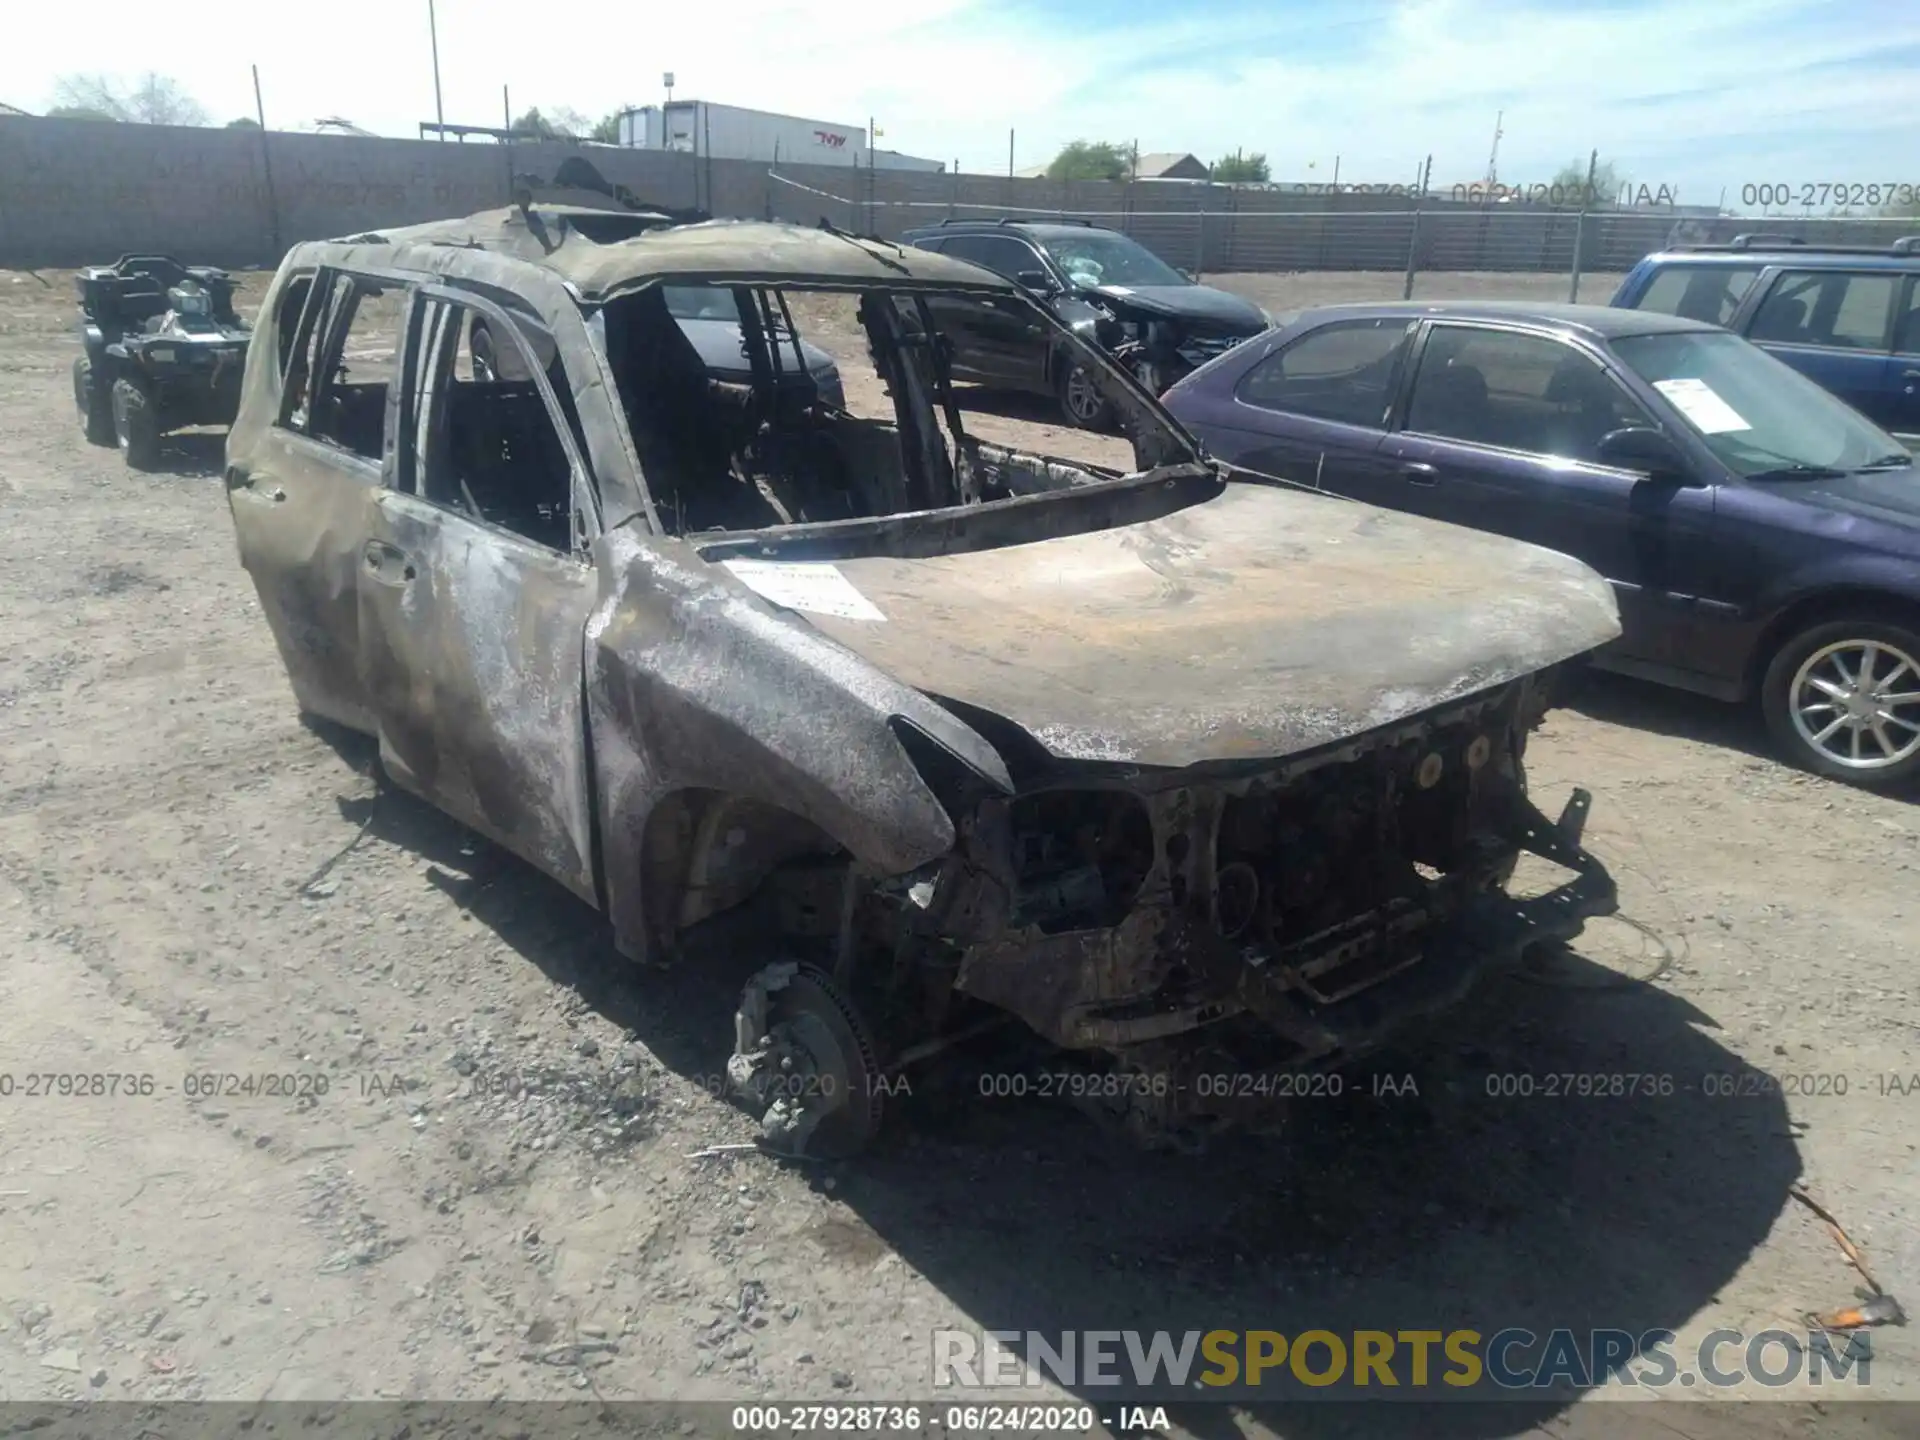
[482, 438]
[757, 407]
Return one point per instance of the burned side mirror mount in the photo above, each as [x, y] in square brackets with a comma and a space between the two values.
[1036, 282]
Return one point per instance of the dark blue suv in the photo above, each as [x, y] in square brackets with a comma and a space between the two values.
[1846, 317]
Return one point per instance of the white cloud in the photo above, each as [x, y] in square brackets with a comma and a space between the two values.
[949, 77]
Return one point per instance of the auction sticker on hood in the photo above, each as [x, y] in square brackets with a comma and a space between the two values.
[1701, 404]
[810, 585]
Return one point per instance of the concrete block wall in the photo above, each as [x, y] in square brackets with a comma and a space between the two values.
[76, 192]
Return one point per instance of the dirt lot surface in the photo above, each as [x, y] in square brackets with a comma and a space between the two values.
[484, 1184]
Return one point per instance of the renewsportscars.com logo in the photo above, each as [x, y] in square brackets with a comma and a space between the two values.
[1378, 1364]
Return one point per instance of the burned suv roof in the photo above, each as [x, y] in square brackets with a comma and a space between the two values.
[749, 251]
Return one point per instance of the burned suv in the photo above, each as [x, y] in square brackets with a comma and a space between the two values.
[1186, 773]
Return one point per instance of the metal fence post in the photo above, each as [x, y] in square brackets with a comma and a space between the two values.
[1413, 240]
[1580, 227]
[1200, 230]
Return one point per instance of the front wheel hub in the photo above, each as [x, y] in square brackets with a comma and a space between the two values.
[803, 1061]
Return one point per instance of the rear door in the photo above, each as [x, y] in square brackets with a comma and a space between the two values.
[1312, 409]
[301, 490]
[1835, 327]
[474, 587]
[1904, 379]
[1506, 425]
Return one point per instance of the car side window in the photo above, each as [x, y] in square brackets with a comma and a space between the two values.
[1517, 392]
[1906, 321]
[286, 318]
[1840, 309]
[1001, 254]
[1345, 372]
[335, 389]
[1710, 293]
[485, 440]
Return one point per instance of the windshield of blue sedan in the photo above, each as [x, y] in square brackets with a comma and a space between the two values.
[1102, 258]
[1757, 415]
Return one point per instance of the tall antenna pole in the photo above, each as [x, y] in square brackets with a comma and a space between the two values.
[433, 36]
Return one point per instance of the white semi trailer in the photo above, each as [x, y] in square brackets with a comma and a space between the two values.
[732, 132]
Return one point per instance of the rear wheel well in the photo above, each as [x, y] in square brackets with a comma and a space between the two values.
[1818, 609]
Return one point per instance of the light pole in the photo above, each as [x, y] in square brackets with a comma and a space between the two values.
[433, 36]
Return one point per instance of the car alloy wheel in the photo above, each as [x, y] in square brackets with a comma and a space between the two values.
[1857, 703]
[1082, 400]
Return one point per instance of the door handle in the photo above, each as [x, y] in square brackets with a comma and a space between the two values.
[1418, 472]
[388, 565]
[1910, 374]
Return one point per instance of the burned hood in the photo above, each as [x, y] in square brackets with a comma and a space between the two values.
[1260, 623]
[1199, 304]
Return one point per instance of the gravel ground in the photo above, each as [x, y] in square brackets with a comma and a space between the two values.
[482, 1184]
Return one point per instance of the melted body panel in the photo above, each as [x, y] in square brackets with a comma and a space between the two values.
[469, 643]
[300, 517]
[696, 683]
[1256, 624]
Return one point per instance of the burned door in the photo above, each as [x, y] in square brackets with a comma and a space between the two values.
[300, 486]
[474, 588]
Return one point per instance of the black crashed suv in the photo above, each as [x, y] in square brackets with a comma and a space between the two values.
[1108, 287]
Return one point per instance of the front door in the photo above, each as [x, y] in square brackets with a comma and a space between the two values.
[1506, 426]
[474, 587]
[996, 338]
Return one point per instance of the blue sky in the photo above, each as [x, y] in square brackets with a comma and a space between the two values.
[1693, 94]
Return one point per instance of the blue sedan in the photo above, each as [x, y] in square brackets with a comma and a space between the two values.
[1762, 537]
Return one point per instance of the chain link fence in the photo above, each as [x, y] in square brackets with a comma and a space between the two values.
[1218, 229]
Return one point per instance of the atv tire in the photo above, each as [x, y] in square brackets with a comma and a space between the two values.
[94, 403]
[136, 424]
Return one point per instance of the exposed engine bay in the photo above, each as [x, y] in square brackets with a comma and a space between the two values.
[1183, 933]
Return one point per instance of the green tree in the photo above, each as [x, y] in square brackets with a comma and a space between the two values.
[558, 122]
[1091, 160]
[607, 128]
[245, 122]
[1242, 169]
[1571, 180]
[153, 99]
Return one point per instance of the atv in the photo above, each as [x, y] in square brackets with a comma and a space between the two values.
[163, 350]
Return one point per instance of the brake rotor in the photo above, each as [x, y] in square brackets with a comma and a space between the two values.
[804, 1059]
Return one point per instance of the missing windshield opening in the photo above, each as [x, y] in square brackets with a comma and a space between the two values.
[759, 408]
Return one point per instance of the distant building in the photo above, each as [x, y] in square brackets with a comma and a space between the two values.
[1170, 165]
[731, 132]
